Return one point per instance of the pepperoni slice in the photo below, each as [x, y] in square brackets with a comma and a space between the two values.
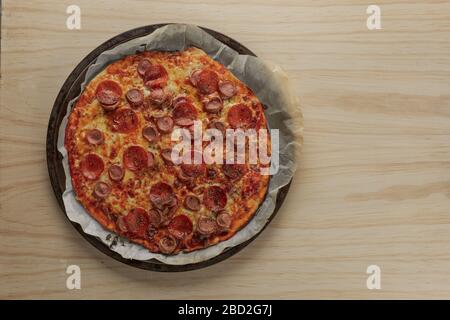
[227, 88]
[135, 98]
[154, 217]
[180, 226]
[95, 137]
[192, 169]
[223, 220]
[154, 72]
[108, 93]
[206, 225]
[240, 116]
[213, 104]
[92, 166]
[166, 154]
[165, 124]
[137, 222]
[215, 198]
[150, 133]
[192, 203]
[155, 76]
[167, 244]
[101, 190]
[161, 194]
[219, 125]
[157, 96]
[234, 171]
[184, 114]
[135, 158]
[150, 160]
[151, 231]
[124, 120]
[183, 177]
[179, 99]
[111, 107]
[207, 81]
[116, 172]
[194, 77]
[121, 224]
[142, 67]
[173, 202]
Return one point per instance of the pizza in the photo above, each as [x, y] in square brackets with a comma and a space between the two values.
[119, 140]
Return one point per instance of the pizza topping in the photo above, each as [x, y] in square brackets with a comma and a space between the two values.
[179, 99]
[116, 172]
[165, 124]
[94, 137]
[92, 166]
[223, 220]
[194, 77]
[192, 203]
[167, 244]
[207, 81]
[173, 202]
[206, 225]
[157, 96]
[227, 88]
[135, 97]
[121, 224]
[108, 93]
[142, 67]
[184, 114]
[137, 222]
[154, 217]
[183, 177]
[193, 169]
[234, 171]
[150, 160]
[150, 133]
[211, 173]
[166, 154]
[161, 194]
[215, 198]
[180, 226]
[135, 158]
[219, 125]
[213, 104]
[240, 116]
[124, 120]
[101, 190]
[155, 76]
[251, 184]
[151, 231]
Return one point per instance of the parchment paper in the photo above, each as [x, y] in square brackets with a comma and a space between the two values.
[271, 86]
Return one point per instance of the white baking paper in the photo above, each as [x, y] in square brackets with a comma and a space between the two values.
[271, 86]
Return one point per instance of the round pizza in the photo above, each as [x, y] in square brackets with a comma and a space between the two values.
[120, 143]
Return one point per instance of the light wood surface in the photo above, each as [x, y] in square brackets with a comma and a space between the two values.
[373, 185]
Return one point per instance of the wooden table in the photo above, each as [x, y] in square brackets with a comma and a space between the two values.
[373, 185]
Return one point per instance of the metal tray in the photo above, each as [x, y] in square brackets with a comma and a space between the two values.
[70, 89]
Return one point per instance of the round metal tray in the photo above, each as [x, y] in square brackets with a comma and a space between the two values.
[70, 89]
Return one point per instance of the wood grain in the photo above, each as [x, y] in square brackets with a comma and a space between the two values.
[373, 185]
